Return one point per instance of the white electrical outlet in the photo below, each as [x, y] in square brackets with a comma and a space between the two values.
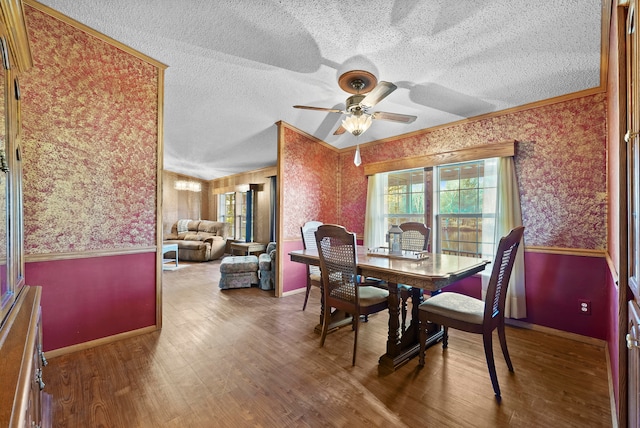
[585, 306]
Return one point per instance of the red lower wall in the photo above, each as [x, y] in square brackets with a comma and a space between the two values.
[471, 286]
[92, 298]
[294, 274]
[555, 283]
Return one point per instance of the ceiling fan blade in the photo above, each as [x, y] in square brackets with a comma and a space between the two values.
[341, 130]
[378, 93]
[395, 117]
[332, 110]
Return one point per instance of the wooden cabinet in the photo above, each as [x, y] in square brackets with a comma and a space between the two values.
[15, 58]
[23, 403]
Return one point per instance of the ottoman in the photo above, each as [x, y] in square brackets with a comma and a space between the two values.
[238, 272]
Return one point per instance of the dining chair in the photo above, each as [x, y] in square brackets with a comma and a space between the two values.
[308, 231]
[461, 312]
[415, 237]
[338, 267]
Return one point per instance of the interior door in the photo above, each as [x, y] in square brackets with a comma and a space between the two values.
[631, 139]
[633, 208]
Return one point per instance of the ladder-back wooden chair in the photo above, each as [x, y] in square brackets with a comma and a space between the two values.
[308, 231]
[341, 290]
[473, 315]
[415, 237]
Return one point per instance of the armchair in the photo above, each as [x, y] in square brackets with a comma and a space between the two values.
[267, 267]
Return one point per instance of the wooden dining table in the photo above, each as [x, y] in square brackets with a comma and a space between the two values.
[431, 272]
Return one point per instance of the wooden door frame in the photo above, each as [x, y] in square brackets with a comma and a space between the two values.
[625, 122]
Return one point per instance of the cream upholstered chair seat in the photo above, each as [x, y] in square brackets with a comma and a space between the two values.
[368, 295]
[315, 279]
[458, 306]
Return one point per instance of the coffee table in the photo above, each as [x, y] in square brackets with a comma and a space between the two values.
[246, 248]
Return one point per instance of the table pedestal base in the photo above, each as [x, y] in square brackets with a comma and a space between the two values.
[403, 345]
[392, 362]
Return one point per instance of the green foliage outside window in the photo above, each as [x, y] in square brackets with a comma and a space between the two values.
[461, 189]
[229, 207]
[457, 204]
[404, 198]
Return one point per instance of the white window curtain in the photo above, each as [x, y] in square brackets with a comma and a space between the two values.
[508, 215]
[374, 220]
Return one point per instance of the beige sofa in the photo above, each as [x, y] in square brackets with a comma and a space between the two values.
[203, 240]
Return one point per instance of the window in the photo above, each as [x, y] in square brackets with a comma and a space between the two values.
[241, 217]
[465, 217]
[234, 208]
[227, 209]
[458, 205]
[405, 197]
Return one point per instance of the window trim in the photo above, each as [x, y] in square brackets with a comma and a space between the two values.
[497, 150]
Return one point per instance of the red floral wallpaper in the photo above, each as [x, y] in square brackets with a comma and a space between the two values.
[560, 163]
[311, 182]
[89, 114]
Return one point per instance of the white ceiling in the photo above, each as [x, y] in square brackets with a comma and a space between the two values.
[236, 67]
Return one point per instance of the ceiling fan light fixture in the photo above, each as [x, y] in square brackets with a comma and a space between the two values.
[357, 124]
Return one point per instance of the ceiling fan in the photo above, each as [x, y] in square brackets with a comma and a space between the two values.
[367, 92]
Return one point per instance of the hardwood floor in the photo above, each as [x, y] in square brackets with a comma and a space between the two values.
[242, 358]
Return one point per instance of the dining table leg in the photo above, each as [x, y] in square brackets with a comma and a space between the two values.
[404, 345]
[393, 341]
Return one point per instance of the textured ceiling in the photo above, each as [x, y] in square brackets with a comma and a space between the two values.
[236, 67]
